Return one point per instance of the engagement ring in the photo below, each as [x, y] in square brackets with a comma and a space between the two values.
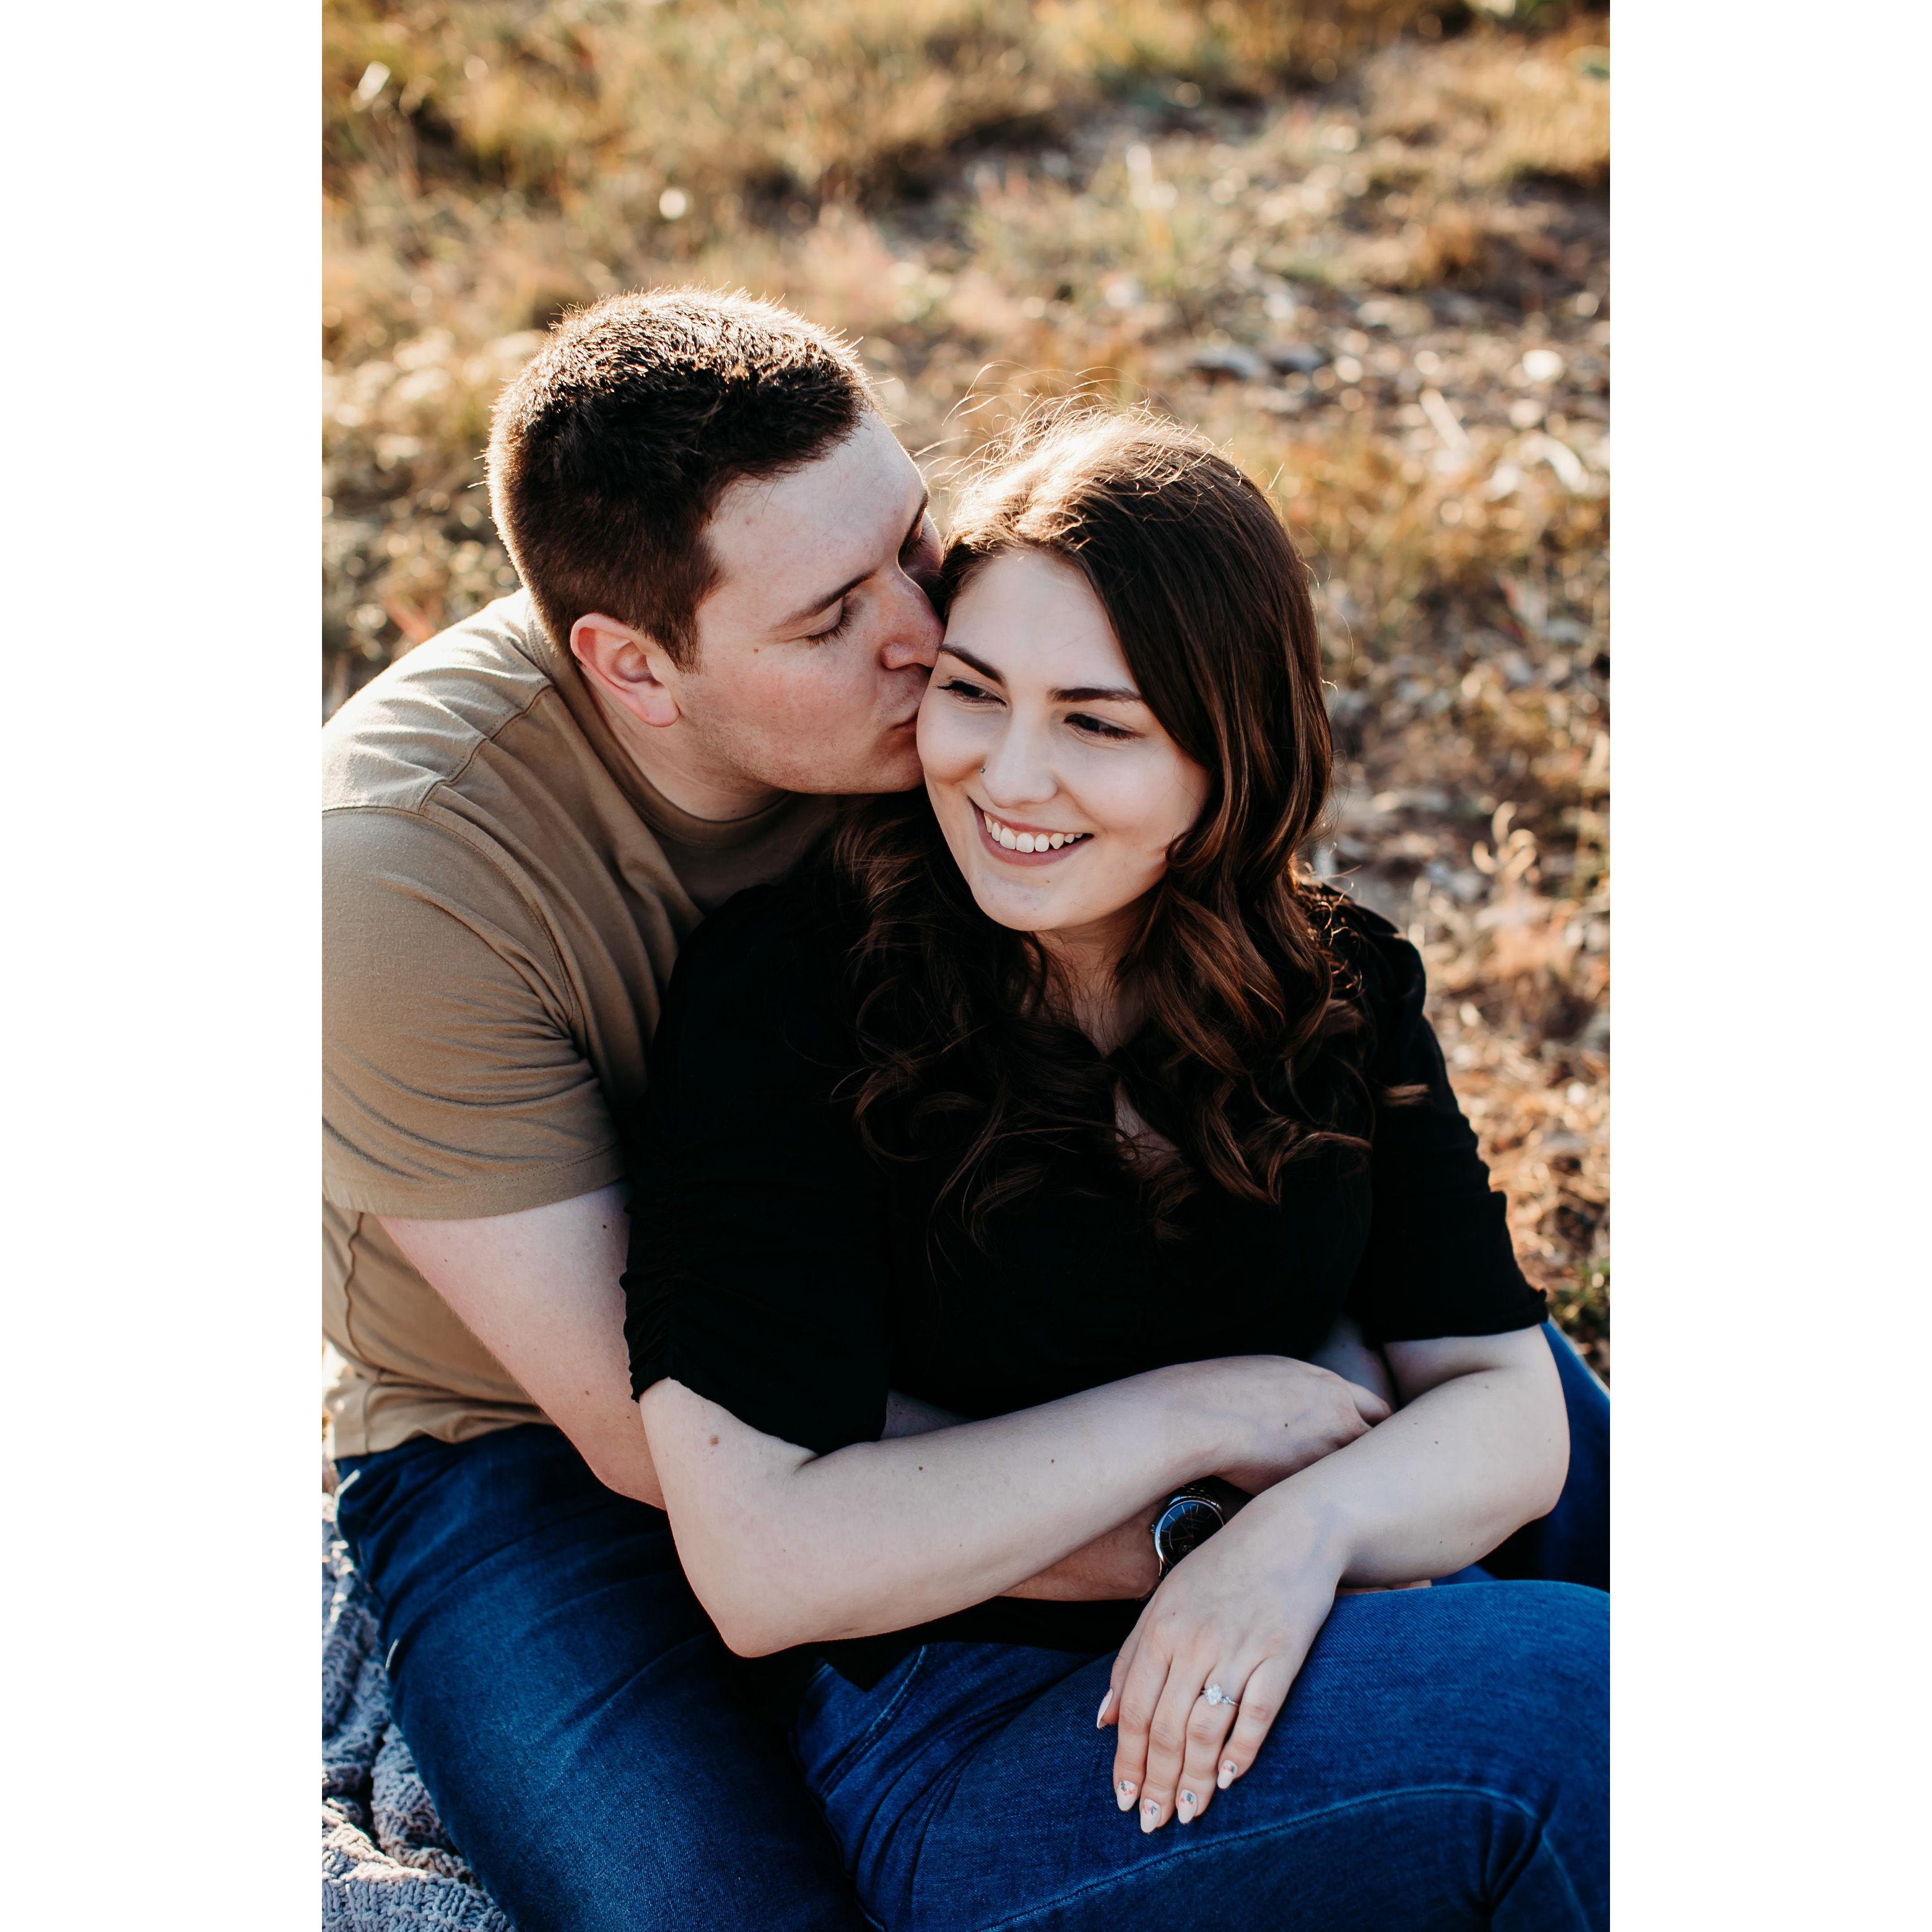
[1215, 1694]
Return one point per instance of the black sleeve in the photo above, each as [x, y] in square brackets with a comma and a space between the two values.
[1439, 1260]
[757, 1274]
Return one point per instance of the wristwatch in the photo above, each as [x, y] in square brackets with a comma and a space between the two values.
[1186, 1521]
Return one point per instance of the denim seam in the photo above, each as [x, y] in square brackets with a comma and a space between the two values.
[1543, 1845]
[1033, 1913]
[856, 1752]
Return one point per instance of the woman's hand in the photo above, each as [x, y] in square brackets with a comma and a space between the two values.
[1480, 1449]
[1279, 1415]
[1240, 1614]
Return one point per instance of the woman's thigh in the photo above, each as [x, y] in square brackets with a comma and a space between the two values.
[1442, 1763]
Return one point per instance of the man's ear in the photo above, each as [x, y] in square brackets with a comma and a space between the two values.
[629, 666]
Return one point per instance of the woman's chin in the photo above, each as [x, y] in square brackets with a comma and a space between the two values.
[1000, 908]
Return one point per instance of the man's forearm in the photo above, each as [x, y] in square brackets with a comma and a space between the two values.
[1119, 1565]
[540, 1290]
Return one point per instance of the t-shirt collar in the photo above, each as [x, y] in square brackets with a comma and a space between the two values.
[668, 820]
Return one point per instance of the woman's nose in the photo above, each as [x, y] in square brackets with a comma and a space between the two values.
[1016, 772]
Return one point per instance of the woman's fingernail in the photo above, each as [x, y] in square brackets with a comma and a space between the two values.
[1228, 1774]
[1106, 1704]
[1126, 1789]
[1187, 1807]
[1150, 1814]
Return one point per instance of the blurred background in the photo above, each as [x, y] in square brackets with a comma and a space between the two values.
[1361, 243]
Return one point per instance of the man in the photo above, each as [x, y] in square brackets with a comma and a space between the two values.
[724, 626]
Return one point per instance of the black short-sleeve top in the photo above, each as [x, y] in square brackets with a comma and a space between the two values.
[779, 1269]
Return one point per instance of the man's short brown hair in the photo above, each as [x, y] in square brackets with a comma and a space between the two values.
[609, 452]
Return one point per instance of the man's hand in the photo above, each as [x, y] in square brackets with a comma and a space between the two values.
[542, 1290]
[1351, 1358]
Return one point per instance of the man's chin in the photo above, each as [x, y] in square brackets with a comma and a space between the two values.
[896, 770]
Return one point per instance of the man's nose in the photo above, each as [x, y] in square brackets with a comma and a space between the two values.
[913, 638]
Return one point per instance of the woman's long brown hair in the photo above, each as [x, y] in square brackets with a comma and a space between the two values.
[1249, 1052]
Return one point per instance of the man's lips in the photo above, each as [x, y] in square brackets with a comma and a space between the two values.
[1044, 851]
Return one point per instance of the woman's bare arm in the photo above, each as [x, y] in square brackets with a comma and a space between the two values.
[1480, 1447]
[784, 1547]
[1118, 1565]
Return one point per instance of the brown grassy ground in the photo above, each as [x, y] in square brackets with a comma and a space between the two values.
[1363, 242]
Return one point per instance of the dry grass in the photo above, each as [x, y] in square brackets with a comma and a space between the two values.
[1363, 242]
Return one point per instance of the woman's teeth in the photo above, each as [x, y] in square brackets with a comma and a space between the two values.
[1029, 841]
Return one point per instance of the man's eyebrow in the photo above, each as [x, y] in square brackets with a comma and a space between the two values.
[817, 604]
[1082, 694]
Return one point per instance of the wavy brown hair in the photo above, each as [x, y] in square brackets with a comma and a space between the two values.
[1249, 1056]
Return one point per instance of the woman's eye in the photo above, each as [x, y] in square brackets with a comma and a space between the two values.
[970, 693]
[1098, 727]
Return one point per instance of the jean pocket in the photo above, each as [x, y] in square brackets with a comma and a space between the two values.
[838, 1725]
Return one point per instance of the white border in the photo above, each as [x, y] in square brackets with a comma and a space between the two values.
[160, 466]
[1771, 421]
[160, 474]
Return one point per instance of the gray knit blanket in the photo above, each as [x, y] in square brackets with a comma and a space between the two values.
[387, 1863]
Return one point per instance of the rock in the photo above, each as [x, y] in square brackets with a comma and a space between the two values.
[1399, 316]
[1228, 360]
[1300, 358]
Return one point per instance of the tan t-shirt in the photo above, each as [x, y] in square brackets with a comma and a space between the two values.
[503, 897]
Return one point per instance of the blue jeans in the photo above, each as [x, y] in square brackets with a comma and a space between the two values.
[1442, 1761]
[569, 1706]
[573, 1712]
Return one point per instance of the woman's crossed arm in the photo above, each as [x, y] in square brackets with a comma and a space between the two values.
[784, 1547]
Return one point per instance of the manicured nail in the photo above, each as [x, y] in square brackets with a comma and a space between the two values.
[1228, 1774]
[1106, 1704]
[1187, 1807]
[1150, 1814]
[1127, 1788]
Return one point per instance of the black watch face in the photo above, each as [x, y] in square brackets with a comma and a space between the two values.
[1185, 1524]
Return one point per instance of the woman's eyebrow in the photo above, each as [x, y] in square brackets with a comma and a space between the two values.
[978, 663]
[1086, 693]
[1082, 694]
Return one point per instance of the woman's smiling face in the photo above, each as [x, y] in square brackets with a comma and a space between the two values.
[1031, 731]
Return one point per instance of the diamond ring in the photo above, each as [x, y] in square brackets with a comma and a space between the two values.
[1215, 1694]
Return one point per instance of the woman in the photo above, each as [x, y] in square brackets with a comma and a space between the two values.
[1054, 1097]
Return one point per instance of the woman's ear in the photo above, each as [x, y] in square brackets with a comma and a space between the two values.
[627, 666]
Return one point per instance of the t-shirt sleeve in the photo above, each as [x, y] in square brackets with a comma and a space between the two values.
[1439, 1260]
[758, 1274]
[454, 1083]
